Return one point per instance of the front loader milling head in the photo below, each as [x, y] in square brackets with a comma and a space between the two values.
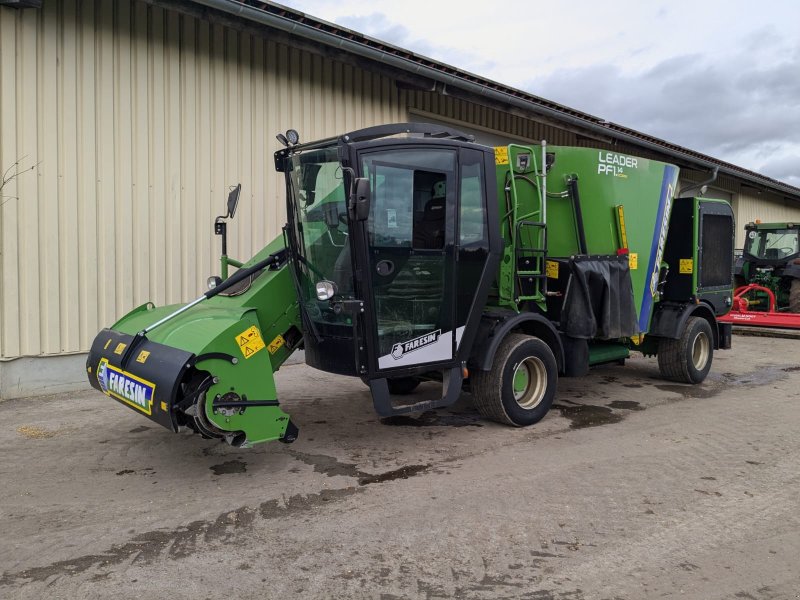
[208, 365]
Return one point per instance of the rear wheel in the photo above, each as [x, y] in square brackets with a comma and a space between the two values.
[794, 296]
[520, 387]
[687, 359]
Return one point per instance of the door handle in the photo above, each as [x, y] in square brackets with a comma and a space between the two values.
[384, 268]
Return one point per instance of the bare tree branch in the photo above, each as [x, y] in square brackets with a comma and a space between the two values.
[7, 178]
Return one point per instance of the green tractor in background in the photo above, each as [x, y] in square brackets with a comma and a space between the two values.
[771, 259]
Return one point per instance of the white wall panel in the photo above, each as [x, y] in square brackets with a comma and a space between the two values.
[138, 120]
[749, 206]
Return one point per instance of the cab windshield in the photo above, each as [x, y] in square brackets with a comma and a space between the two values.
[318, 222]
[774, 244]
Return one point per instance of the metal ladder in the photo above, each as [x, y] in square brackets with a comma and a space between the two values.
[530, 228]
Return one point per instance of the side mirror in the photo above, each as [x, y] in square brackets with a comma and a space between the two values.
[359, 200]
[233, 200]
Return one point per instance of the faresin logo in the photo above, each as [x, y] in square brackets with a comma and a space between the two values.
[402, 348]
[125, 387]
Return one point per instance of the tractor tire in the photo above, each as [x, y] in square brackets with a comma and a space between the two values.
[401, 386]
[794, 296]
[687, 359]
[520, 387]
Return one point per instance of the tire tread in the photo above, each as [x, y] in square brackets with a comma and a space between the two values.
[487, 385]
[672, 354]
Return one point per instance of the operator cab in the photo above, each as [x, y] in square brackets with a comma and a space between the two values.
[772, 243]
[393, 249]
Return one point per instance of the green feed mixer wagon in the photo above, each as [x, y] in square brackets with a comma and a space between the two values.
[413, 254]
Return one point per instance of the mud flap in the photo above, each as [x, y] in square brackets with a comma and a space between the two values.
[144, 375]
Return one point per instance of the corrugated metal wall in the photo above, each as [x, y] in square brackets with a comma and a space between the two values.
[138, 119]
[749, 206]
[492, 120]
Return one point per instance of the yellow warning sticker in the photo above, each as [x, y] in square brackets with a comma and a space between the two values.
[142, 356]
[108, 343]
[633, 260]
[501, 155]
[686, 266]
[552, 269]
[250, 342]
[163, 406]
[276, 344]
[120, 347]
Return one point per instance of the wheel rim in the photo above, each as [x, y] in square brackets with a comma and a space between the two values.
[701, 350]
[529, 382]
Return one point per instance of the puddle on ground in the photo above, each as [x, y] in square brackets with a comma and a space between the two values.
[327, 465]
[228, 467]
[588, 415]
[401, 473]
[691, 391]
[626, 405]
[431, 418]
[332, 467]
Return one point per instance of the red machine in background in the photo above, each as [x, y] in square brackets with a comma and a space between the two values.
[742, 313]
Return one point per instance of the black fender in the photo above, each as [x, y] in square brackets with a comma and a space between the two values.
[792, 270]
[738, 267]
[669, 320]
[494, 328]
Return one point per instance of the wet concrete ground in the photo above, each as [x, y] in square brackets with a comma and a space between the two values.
[632, 487]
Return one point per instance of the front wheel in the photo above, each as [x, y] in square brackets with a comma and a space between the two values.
[520, 387]
[687, 359]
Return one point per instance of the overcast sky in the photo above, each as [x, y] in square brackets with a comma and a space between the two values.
[720, 77]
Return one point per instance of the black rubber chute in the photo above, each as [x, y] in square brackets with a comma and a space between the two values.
[599, 300]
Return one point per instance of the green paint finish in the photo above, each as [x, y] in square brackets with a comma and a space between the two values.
[216, 325]
[600, 353]
[645, 189]
[521, 379]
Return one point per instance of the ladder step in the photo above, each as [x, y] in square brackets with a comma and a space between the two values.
[533, 274]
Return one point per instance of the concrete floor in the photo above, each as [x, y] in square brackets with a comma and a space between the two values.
[631, 487]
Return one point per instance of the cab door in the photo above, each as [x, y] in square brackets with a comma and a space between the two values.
[406, 251]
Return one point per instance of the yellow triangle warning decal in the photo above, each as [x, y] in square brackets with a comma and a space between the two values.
[250, 341]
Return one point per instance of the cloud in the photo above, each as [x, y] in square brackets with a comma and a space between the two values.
[741, 107]
[379, 26]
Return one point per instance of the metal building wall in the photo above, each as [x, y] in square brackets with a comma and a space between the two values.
[443, 107]
[137, 120]
[750, 205]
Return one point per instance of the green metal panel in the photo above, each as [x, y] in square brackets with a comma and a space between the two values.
[217, 326]
[643, 187]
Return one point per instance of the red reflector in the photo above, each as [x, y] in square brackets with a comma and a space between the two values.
[622, 251]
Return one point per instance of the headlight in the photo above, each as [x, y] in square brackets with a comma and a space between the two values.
[326, 290]
[292, 137]
[213, 282]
